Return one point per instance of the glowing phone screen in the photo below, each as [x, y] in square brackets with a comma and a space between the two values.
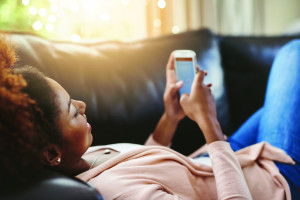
[185, 72]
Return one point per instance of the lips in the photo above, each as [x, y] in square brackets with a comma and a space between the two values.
[89, 127]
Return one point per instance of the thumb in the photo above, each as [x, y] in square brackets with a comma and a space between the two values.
[184, 99]
[175, 87]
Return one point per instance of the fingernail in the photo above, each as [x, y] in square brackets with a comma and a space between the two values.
[179, 83]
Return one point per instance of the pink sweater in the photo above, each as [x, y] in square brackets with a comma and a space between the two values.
[156, 172]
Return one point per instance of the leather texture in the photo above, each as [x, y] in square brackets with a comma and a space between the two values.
[57, 187]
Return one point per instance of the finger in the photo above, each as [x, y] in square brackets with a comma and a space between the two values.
[175, 87]
[170, 64]
[197, 80]
[198, 69]
[184, 98]
[209, 85]
[199, 77]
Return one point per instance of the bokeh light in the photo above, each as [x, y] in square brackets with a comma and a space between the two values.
[78, 20]
[33, 10]
[157, 23]
[175, 29]
[49, 27]
[161, 3]
[25, 2]
[42, 12]
[75, 38]
[37, 25]
[52, 18]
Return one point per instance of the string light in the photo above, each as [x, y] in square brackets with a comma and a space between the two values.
[161, 4]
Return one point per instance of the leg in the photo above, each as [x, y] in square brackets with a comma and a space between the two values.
[246, 135]
[280, 119]
[278, 122]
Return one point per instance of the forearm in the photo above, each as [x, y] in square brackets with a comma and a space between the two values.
[211, 129]
[230, 180]
[165, 130]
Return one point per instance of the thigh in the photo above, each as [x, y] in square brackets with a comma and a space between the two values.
[280, 120]
[246, 135]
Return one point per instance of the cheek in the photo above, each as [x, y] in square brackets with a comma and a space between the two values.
[78, 136]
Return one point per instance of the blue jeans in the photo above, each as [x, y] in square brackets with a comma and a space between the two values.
[278, 121]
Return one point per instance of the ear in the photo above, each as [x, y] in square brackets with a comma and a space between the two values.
[51, 155]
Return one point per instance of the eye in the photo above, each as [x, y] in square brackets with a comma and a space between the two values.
[77, 112]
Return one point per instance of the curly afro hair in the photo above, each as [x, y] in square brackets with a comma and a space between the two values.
[26, 126]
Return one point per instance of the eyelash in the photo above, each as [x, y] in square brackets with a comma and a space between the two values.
[77, 112]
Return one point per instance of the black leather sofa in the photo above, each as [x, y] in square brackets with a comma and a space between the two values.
[123, 83]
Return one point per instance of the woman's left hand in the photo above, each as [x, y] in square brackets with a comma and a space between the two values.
[167, 124]
[173, 108]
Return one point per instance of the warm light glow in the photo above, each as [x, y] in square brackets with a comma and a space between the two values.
[61, 14]
[125, 2]
[42, 12]
[105, 16]
[74, 7]
[161, 3]
[157, 23]
[75, 38]
[78, 20]
[54, 8]
[175, 29]
[33, 10]
[52, 18]
[37, 25]
[49, 27]
[25, 2]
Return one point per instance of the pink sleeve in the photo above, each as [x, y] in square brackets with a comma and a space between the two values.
[150, 141]
[149, 192]
[230, 180]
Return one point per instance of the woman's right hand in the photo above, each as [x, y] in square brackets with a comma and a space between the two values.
[200, 107]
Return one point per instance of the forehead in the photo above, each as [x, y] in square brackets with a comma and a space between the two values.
[62, 95]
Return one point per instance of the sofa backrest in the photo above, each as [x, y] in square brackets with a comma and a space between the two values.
[123, 83]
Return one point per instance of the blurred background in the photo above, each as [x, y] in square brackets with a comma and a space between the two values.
[127, 20]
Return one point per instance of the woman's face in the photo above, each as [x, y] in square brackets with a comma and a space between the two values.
[76, 131]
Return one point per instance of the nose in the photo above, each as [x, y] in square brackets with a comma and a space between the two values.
[81, 105]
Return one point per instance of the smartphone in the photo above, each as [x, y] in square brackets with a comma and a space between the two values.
[185, 68]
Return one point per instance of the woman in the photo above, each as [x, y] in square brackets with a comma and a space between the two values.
[158, 172]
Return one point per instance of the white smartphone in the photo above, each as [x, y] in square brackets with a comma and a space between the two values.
[185, 68]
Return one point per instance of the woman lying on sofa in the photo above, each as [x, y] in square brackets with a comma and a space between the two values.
[265, 167]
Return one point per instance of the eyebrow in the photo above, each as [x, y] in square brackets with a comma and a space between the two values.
[69, 104]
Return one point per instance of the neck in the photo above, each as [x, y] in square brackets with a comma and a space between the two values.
[72, 169]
